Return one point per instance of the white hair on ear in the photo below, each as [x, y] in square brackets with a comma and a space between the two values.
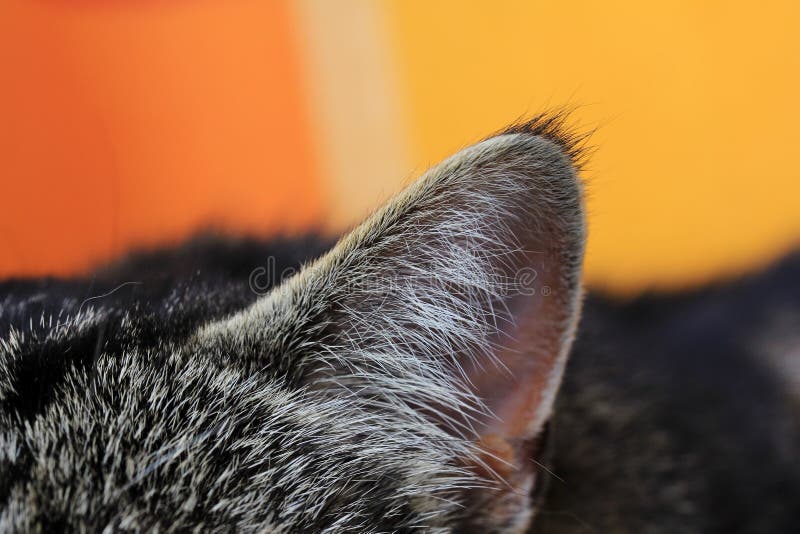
[395, 315]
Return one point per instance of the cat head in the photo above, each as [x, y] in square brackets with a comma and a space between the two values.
[404, 380]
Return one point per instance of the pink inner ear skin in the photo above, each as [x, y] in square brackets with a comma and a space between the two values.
[519, 390]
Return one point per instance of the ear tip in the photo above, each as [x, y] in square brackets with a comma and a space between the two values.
[554, 153]
[557, 127]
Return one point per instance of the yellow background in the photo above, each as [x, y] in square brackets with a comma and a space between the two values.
[133, 123]
[695, 103]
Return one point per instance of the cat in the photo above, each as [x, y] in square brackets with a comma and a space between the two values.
[418, 375]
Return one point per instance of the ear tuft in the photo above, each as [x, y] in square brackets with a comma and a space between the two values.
[556, 127]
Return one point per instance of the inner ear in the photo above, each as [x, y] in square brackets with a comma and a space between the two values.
[536, 322]
[517, 380]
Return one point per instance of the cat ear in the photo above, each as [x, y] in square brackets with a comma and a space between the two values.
[478, 265]
[458, 300]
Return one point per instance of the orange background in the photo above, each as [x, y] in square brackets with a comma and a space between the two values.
[132, 123]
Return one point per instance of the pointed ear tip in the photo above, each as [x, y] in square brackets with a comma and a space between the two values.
[558, 128]
[551, 146]
[550, 156]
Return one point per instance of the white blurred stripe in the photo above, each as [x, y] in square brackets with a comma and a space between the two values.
[353, 92]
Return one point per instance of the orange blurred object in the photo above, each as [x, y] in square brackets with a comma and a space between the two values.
[135, 123]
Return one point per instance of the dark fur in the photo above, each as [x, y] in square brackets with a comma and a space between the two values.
[668, 419]
[171, 291]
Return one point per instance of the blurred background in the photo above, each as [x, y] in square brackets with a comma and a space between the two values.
[136, 123]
